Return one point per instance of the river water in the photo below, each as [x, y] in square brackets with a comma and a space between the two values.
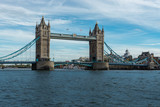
[79, 88]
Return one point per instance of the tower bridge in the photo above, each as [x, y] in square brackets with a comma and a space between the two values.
[96, 51]
[95, 38]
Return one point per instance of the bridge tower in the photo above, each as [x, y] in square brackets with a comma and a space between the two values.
[96, 48]
[43, 47]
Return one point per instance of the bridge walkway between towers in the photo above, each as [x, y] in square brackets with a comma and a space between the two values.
[71, 37]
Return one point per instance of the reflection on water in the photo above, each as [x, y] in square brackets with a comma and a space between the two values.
[79, 88]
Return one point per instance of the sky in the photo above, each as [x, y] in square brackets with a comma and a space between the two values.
[128, 24]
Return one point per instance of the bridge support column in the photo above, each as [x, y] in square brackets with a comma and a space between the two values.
[101, 66]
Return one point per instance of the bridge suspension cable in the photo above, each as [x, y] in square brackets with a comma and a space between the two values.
[20, 51]
[118, 59]
[113, 58]
[143, 60]
[156, 62]
[113, 53]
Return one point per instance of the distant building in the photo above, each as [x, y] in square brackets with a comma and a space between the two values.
[145, 55]
[127, 56]
[151, 58]
[81, 59]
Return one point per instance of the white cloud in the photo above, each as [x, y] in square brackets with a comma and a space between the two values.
[16, 35]
[154, 44]
[16, 15]
[60, 21]
[139, 12]
[135, 33]
[19, 15]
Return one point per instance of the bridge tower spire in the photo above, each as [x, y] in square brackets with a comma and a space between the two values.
[43, 46]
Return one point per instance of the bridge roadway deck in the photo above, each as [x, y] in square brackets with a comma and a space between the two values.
[73, 62]
[30, 62]
[128, 64]
[17, 62]
[125, 64]
[71, 37]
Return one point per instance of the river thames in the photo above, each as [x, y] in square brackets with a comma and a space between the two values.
[79, 88]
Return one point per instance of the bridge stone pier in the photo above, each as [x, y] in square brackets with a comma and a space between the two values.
[43, 47]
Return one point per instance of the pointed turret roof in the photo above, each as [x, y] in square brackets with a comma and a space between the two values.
[42, 21]
[96, 27]
[90, 30]
[102, 29]
[48, 22]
